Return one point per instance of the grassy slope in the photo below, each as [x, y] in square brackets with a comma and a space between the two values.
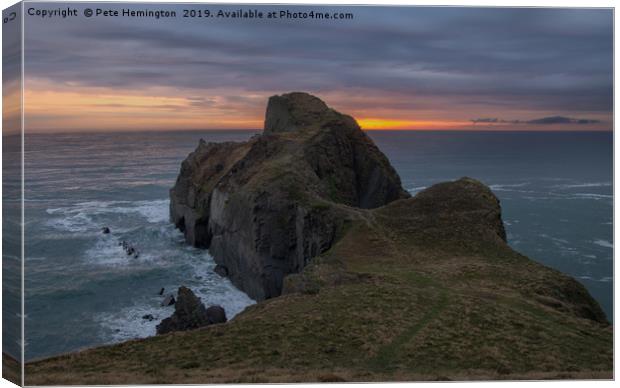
[11, 369]
[409, 293]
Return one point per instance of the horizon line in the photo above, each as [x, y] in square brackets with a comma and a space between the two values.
[151, 130]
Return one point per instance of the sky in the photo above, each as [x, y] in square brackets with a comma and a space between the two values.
[418, 68]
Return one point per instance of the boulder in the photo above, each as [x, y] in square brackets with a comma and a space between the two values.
[266, 207]
[216, 314]
[105, 230]
[189, 313]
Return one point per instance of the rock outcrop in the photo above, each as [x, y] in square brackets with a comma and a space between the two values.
[266, 207]
[190, 313]
[216, 314]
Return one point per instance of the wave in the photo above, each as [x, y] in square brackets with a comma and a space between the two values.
[81, 217]
[416, 189]
[144, 225]
[604, 279]
[554, 239]
[580, 185]
[593, 196]
[510, 187]
[603, 243]
[128, 323]
[550, 196]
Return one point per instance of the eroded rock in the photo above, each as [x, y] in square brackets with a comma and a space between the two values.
[266, 207]
[190, 313]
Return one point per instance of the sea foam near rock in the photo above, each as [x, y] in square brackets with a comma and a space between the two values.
[144, 225]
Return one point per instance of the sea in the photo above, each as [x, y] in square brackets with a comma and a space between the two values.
[83, 290]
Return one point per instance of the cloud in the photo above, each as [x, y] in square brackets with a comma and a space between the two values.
[403, 58]
[542, 121]
[486, 120]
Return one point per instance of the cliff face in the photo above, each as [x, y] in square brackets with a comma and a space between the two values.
[266, 207]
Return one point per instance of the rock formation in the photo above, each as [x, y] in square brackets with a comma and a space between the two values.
[216, 314]
[266, 207]
[168, 300]
[190, 313]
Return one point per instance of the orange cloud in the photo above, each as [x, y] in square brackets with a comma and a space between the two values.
[70, 107]
[66, 107]
[389, 124]
[11, 107]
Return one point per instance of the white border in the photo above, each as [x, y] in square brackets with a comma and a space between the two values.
[480, 3]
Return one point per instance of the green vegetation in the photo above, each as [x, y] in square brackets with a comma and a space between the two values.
[421, 289]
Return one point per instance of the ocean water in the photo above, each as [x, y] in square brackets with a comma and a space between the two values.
[82, 290]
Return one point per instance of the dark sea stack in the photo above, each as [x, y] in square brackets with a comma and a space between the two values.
[266, 207]
[189, 313]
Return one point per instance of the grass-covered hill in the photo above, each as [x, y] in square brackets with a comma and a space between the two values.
[421, 289]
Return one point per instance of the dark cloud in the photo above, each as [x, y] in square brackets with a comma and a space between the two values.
[527, 58]
[487, 120]
[562, 120]
[541, 121]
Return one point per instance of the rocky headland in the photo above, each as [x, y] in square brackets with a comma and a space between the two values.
[266, 207]
[356, 280]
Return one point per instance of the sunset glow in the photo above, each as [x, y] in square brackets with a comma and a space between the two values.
[159, 76]
[388, 124]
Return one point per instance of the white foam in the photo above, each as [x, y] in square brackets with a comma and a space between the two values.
[592, 196]
[107, 252]
[161, 249]
[216, 290]
[510, 187]
[160, 246]
[153, 211]
[79, 218]
[603, 243]
[604, 279]
[578, 185]
[416, 189]
[73, 223]
[128, 323]
[35, 258]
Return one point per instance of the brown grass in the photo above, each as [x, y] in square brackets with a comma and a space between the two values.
[11, 369]
[402, 296]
